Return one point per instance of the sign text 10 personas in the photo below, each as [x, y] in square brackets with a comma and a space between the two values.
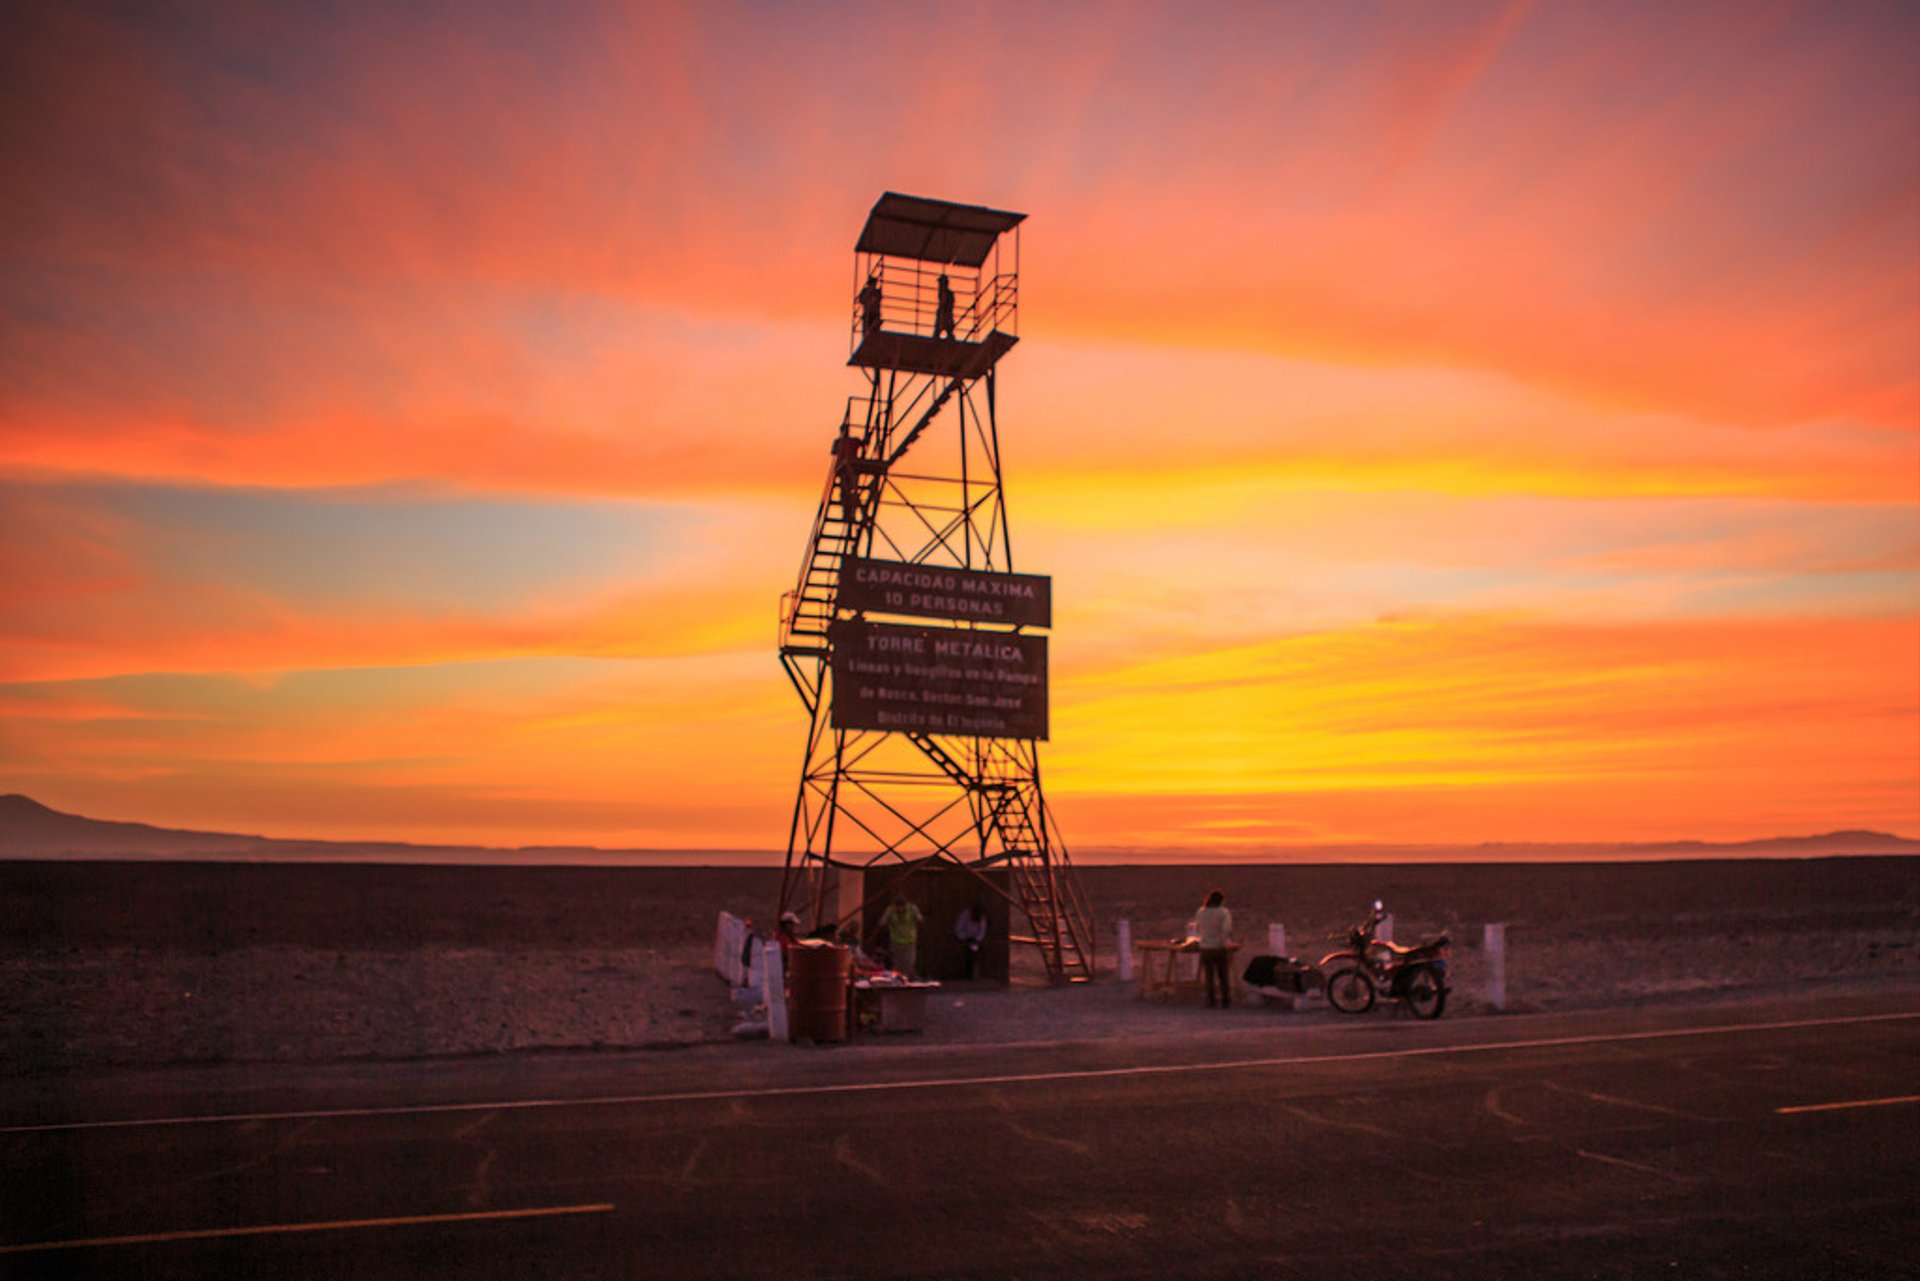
[939, 680]
[935, 591]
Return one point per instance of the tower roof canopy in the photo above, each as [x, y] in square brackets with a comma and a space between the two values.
[933, 230]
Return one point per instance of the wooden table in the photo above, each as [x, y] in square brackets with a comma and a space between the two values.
[1158, 961]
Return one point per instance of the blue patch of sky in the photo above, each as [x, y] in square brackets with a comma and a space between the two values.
[353, 694]
[376, 544]
[1864, 594]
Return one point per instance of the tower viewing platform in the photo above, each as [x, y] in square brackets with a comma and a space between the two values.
[937, 287]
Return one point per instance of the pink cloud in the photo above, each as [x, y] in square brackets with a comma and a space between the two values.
[1487, 190]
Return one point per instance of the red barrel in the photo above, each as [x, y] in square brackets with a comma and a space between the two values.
[817, 990]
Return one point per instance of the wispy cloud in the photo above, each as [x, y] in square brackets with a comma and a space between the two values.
[1531, 728]
[1470, 420]
[265, 582]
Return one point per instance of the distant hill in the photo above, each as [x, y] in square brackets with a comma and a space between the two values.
[30, 830]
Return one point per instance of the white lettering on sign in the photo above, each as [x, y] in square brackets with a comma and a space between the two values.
[888, 643]
[869, 573]
[999, 652]
[931, 591]
[893, 677]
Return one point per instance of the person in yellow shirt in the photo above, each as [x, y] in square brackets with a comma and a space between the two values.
[902, 923]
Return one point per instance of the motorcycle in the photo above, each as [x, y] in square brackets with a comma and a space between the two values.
[1370, 968]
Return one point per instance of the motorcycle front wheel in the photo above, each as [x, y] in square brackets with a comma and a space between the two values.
[1350, 991]
[1426, 995]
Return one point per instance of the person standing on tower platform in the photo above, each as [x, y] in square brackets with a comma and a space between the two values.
[870, 306]
[943, 313]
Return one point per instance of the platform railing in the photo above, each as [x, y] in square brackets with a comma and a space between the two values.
[995, 309]
[910, 300]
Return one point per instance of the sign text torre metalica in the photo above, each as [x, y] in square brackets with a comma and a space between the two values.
[919, 653]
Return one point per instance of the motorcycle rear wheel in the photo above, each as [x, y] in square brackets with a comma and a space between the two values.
[1426, 995]
[1350, 991]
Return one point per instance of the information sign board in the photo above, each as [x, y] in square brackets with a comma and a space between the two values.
[937, 591]
[939, 680]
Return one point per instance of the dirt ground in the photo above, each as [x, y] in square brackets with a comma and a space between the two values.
[109, 963]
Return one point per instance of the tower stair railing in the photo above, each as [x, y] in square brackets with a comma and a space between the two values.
[1058, 917]
[948, 392]
[844, 518]
[1076, 913]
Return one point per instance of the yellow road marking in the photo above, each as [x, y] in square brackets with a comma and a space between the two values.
[1855, 1103]
[336, 1225]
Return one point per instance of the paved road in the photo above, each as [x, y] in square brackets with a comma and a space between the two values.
[1775, 1141]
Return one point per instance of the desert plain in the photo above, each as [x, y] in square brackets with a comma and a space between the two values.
[107, 962]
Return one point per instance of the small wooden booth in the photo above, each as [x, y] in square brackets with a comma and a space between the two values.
[942, 891]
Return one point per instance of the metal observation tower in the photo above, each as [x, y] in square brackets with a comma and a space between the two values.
[916, 649]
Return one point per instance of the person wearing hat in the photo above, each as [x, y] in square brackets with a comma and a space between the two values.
[787, 934]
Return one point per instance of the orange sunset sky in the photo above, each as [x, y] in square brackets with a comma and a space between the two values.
[1442, 423]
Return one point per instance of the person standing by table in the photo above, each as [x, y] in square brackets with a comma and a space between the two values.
[1213, 925]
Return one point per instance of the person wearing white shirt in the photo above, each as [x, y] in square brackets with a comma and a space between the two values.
[970, 928]
[1213, 925]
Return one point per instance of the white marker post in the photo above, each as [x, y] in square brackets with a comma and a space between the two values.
[1384, 931]
[773, 979]
[1123, 951]
[729, 942]
[1276, 938]
[1495, 942]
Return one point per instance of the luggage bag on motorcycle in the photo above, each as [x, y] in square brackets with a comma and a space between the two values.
[1278, 973]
